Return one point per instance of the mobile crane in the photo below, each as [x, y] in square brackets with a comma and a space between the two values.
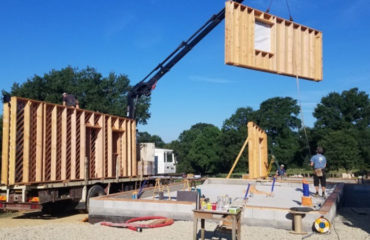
[145, 86]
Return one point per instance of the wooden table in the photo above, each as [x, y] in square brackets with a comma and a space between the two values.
[216, 215]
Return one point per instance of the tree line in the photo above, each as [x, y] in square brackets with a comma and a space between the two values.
[341, 126]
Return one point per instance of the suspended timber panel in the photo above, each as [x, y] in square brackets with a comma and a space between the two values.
[44, 142]
[261, 41]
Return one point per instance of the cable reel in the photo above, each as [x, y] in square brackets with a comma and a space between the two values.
[322, 225]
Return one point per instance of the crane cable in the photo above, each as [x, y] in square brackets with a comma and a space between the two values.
[297, 79]
[298, 89]
[301, 113]
[287, 5]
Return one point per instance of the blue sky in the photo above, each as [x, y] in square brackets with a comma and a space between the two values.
[132, 37]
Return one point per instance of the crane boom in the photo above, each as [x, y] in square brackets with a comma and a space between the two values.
[145, 86]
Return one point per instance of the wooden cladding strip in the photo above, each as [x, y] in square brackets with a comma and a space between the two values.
[257, 151]
[49, 142]
[291, 49]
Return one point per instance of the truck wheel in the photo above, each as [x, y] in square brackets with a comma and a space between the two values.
[94, 191]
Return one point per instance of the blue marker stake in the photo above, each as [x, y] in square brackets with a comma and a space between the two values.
[141, 189]
[246, 193]
[273, 185]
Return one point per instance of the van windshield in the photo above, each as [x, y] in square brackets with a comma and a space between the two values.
[169, 157]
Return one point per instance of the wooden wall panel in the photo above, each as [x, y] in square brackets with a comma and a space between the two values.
[295, 50]
[47, 142]
[257, 151]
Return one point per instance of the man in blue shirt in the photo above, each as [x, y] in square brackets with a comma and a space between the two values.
[281, 171]
[318, 162]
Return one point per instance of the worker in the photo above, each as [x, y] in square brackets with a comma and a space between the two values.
[70, 100]
[281, 171]
[318, 162]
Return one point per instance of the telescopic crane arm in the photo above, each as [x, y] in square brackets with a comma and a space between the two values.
[145, 86]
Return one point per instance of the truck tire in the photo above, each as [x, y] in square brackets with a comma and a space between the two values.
[94, 191]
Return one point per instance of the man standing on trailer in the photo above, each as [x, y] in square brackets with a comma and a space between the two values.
[318, 162]
[70, 100]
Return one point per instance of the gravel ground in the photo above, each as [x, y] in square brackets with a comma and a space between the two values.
[351, 224]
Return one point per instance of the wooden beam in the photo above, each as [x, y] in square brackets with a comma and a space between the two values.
[73, 145]
[54, 128]
[134, 157]
[39, 141]
[110, 150]
[129, 148]
[64, 145]
[26, 142]
[82, 152]
[13, 136]
[124, 154]
[99, 149]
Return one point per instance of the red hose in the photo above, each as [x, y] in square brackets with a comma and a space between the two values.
[156, 225]
[137, 227]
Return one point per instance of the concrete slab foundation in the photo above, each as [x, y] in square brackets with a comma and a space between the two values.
[259, 209]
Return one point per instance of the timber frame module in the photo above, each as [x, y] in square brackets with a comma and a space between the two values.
[45, 143]
[261, 41]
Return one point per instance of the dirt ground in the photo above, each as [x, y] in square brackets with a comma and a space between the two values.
[351, 223]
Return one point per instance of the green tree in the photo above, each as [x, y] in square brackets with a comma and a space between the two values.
[340, 111]
[145, 137]
[341, 150]
[94, 92]
[197, 149]
[278, 116]
[233, 135]
[344, 115]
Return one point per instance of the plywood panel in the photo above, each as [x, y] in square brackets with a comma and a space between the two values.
[290, 51]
